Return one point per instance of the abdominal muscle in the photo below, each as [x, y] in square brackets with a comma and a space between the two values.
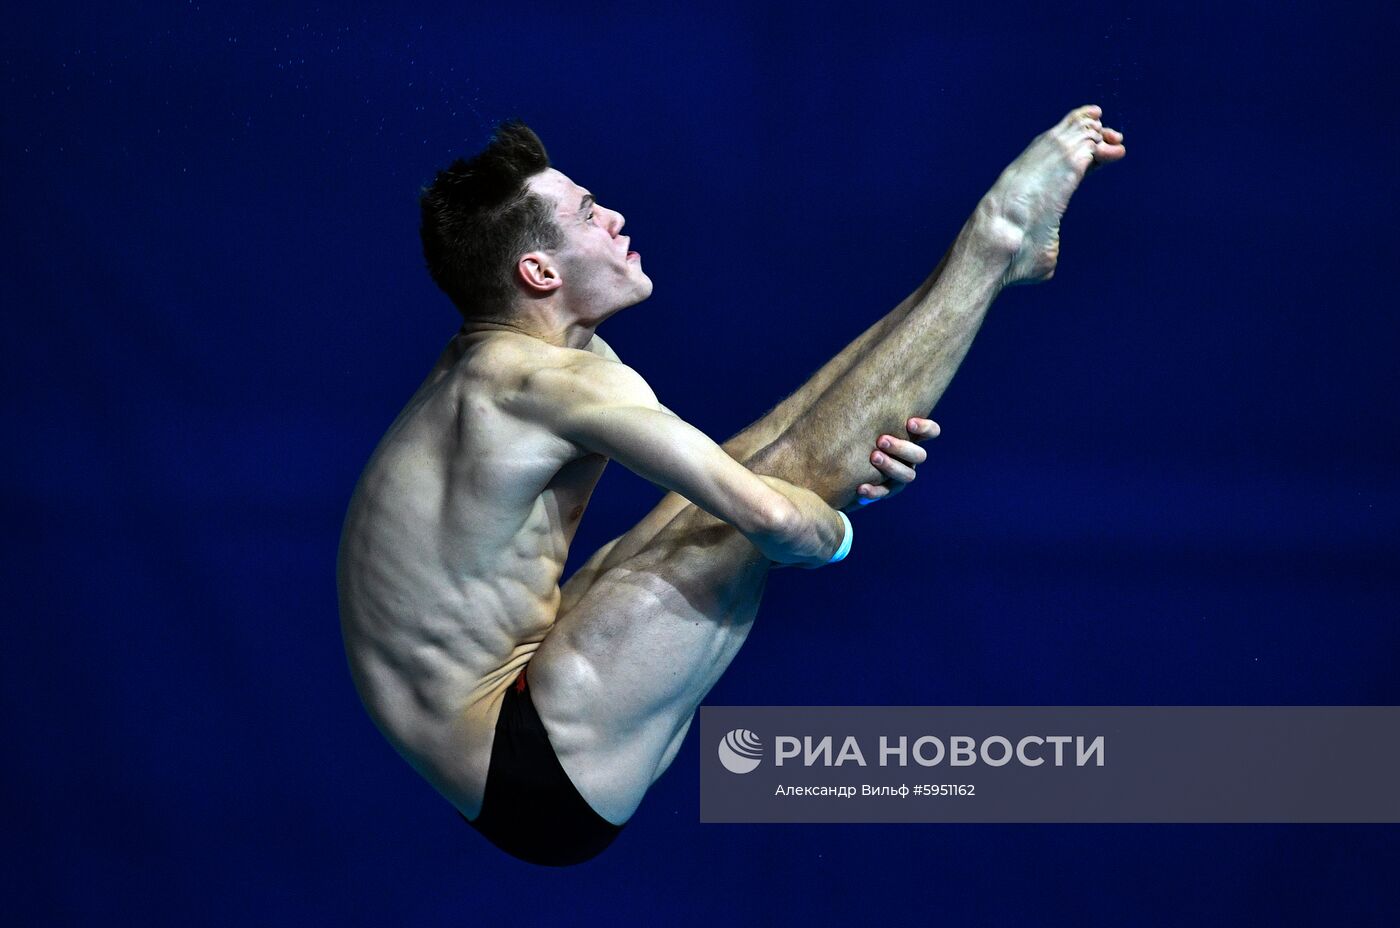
[449, 573]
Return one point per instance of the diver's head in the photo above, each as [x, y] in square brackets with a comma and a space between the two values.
[504, 230]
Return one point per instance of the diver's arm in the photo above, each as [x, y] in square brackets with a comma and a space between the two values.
[605, 407]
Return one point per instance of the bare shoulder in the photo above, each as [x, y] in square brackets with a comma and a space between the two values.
[505, 359]
[602, 349]
[582, 378]
[549, 386]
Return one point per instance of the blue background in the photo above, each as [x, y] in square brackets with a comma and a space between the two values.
[1167, 477]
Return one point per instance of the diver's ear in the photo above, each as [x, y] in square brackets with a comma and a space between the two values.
[538, 272]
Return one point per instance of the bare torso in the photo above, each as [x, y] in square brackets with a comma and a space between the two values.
[452, 552]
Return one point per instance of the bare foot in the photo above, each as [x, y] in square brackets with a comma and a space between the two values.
[1025, 205]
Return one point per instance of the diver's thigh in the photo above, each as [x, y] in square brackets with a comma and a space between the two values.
[622, 671]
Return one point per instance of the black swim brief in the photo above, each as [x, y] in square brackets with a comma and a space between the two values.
[531, 808]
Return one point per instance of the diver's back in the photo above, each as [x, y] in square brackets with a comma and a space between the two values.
[450, 557]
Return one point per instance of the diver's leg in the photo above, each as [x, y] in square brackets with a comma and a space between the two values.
[1012, 237]
[630, 657]
[1024, 208]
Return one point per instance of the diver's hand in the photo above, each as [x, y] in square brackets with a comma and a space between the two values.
[896, 459]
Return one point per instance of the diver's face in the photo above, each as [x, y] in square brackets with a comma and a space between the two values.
[600, 274]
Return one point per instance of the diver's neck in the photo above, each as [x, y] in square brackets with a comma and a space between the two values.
[575, 334]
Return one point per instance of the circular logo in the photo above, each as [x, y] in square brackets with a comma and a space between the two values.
[740, 750]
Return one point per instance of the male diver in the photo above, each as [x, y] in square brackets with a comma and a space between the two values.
[455, 540]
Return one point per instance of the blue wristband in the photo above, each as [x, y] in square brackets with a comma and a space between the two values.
[845, 548]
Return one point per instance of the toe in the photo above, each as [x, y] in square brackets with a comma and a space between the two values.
[1104, 153]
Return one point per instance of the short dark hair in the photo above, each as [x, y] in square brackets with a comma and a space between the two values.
[479, 218]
